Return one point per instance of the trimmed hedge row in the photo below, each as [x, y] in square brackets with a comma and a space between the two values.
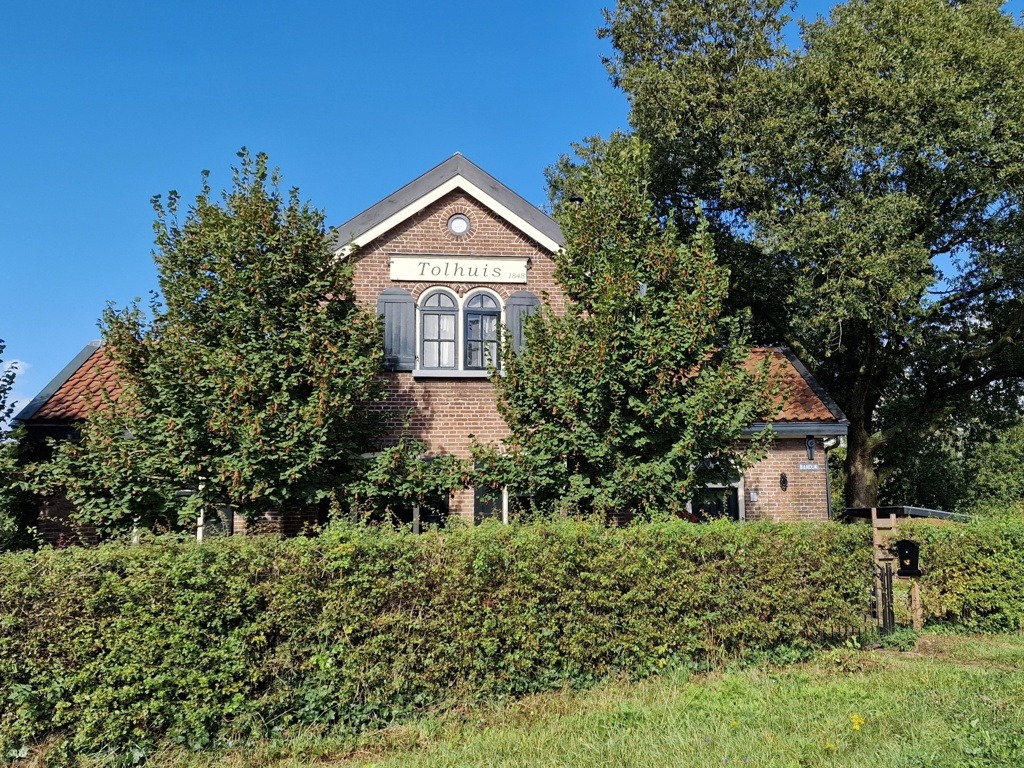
[973, 574]
[117, 647]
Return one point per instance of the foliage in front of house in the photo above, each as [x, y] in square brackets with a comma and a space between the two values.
[247, 380]
[13, 498]
[8, 525]
[398, 478]
[116, 647]
[639, 393]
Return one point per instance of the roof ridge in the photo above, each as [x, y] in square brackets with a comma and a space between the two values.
[458, 165]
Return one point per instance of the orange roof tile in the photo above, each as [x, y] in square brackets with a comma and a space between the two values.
[801, 397]
[83, 392]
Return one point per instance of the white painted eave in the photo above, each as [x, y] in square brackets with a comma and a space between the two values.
[360, 240]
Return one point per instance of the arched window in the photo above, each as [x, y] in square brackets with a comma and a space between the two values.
[439, 317]
[483, 316]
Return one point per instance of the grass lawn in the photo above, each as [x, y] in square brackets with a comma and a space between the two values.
[952, 701]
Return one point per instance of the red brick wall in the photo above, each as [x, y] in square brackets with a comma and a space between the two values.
[427, 233]
[443, 413]
[446, 414]
[56, 528]
[806, 496]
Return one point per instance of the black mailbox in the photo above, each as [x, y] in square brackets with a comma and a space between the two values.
[908, 553]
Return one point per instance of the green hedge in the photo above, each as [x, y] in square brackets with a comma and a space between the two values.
[118, 647]
[973, 574]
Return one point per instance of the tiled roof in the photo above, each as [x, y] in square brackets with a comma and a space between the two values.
[803, 399]
[82, 392]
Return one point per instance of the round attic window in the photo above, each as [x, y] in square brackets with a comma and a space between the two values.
[458, 224]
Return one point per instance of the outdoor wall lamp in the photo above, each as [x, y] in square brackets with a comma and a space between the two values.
[783, 481]
[811, 444]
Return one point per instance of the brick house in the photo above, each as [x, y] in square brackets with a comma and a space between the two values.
[447, 260]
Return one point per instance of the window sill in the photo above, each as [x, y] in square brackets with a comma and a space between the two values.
[443, 373]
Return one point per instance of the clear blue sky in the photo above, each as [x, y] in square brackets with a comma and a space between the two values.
[105, 104]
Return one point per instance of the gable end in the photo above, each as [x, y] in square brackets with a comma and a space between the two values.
[454, 173]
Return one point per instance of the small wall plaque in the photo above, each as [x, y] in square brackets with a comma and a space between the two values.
[809, 466]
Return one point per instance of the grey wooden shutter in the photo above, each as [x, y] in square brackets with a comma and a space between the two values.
[520, 304]
[399, 312]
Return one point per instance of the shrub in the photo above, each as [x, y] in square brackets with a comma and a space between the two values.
[120, 646]
[973, 574]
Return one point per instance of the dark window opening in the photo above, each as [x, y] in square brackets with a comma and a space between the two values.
[715, 504]
[486, 504]
[483, 315]
[218, 521]
[432, 512]
[527, 506]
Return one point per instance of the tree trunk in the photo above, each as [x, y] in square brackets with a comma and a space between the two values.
[861, 481]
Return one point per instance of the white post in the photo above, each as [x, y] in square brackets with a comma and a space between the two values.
[201, 520]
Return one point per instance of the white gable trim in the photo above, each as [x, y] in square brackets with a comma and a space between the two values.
[456, 182]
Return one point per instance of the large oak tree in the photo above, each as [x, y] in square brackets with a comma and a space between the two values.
[865, 191]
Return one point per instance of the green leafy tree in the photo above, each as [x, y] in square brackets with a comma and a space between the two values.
[865, 191]
[17, 504]
[932, 473]
[248, 381]
[399, 478]
[118, 473]
[7, 374]
[996, 472]
[9, 493]
[640, 392]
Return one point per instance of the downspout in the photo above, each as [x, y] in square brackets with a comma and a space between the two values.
[829, 443]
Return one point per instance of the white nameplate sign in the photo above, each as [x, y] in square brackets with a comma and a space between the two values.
[459, 269]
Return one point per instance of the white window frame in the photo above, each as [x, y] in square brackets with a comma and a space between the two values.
[460, 370]
[422, 311]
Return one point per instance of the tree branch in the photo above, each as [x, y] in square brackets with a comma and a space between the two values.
[927, 413]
